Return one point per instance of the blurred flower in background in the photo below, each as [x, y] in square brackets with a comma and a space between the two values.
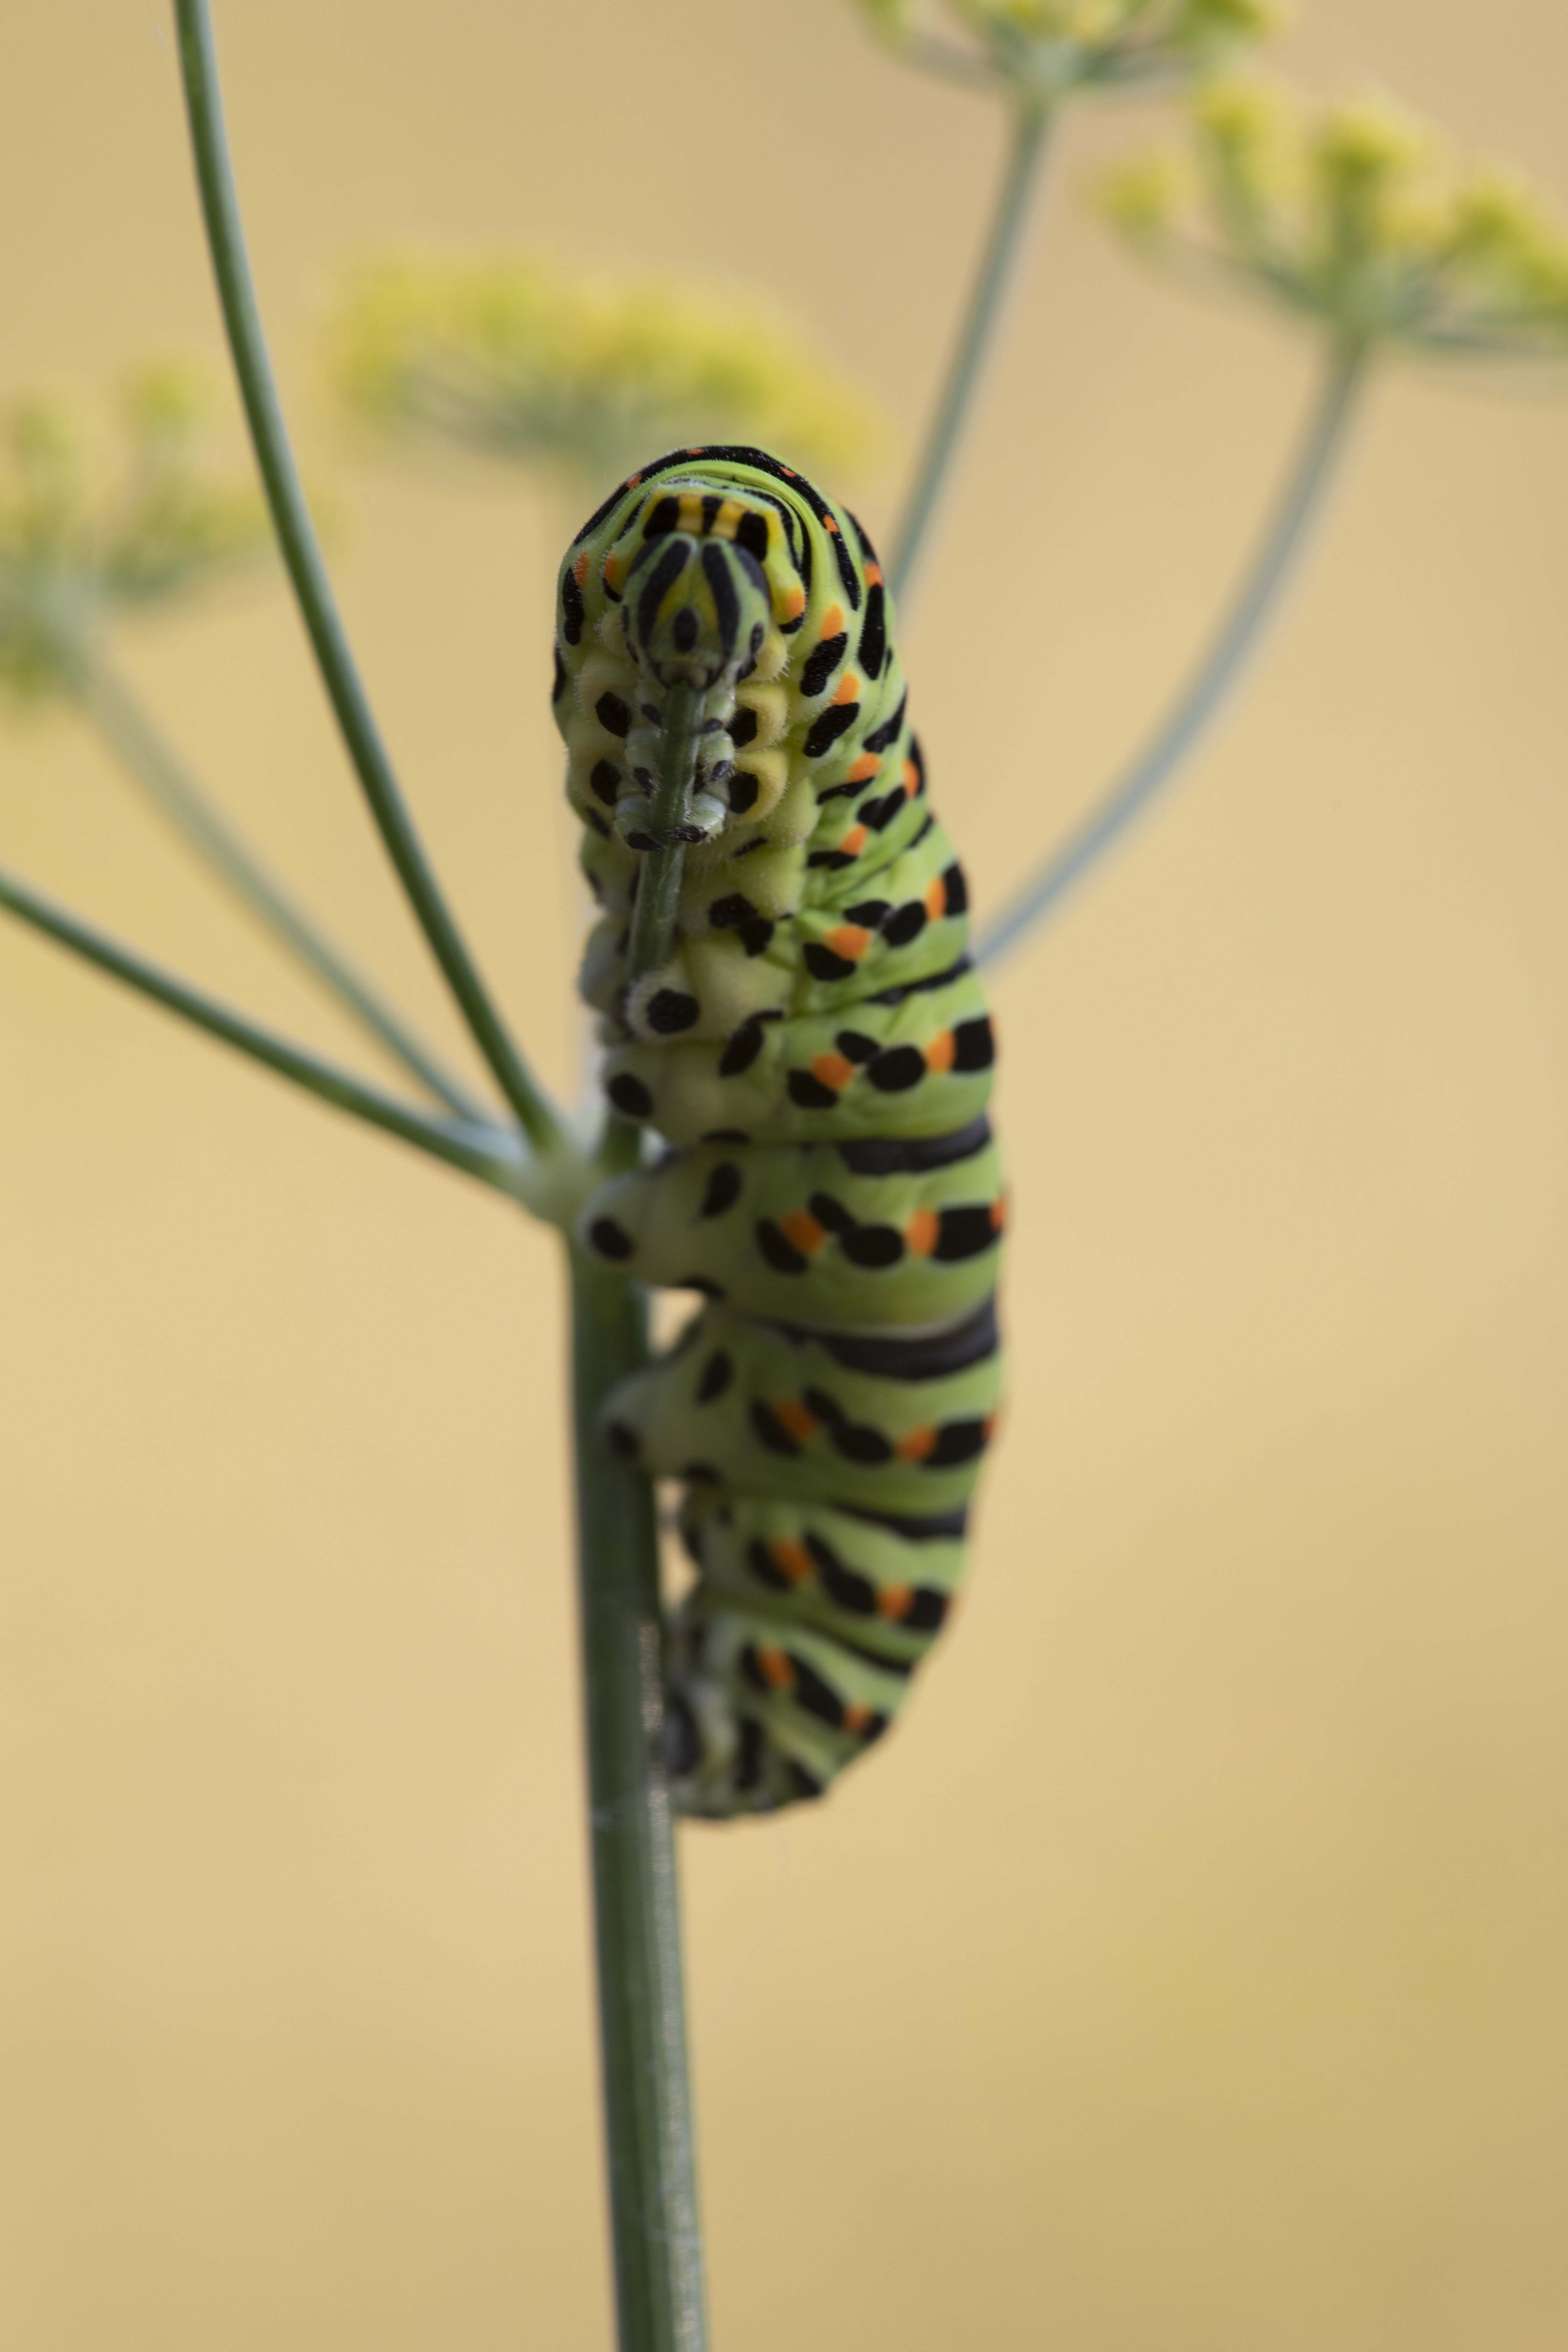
[589, 377]
[82, 534]
[1360, 217]
[1048, 48]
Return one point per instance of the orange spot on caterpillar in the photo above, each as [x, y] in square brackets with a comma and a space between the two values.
[848, 942]
[830, 523]
[873, 575]
[894, 1601]
[833, 621]
[867, 766]
[801, 1425]
[632, 481]
[612, 572]
[911, 780]
[940, 1051]
[857, 1715]
[849, 688]
[999, 1213]
[833, 1070]
[854, 841]
[917, 1444]
[793, 1559]
[794, 602]
[775, 1669]
[936, 898]
[580, 569]
[922, 1232]
[802, 1228]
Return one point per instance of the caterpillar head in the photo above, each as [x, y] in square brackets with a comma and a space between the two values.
[697, 609]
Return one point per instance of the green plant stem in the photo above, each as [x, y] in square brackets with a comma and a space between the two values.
[137, 743]
[649, 2130]
[998, 262]
[490, 1154]
[648, 2127]
[1218, 671]
[318, 606]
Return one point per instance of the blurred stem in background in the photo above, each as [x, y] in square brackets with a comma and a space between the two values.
[1219, 672]
[996, 270]
[168, 783]
[1356, 220]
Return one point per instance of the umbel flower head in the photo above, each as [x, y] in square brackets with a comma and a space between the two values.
[1359, 217]
[1047, 48]
[512, 357]
[78, 538]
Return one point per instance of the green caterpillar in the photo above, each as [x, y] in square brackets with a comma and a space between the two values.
[817, 1051]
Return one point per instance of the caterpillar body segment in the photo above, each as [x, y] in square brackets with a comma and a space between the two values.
[882, 1423]
[817, 1050]
[920, 1063]
[851, 1237]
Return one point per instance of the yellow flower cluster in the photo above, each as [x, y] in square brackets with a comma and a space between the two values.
[512, 357]
[1047, 48]
[78, 537]
[1358, 215]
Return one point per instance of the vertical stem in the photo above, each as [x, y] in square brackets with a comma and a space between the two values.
[312, 589]
[642, 2024]
[648, 2129]
[998, 260]
[1219, 668]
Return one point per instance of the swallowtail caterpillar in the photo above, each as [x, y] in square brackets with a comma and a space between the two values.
[817, 1055]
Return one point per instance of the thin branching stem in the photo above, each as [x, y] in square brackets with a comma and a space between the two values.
[493, 1154]
[170, 787]
[648, 2126]
[302, 555]
[1219, 672]
[976, 336]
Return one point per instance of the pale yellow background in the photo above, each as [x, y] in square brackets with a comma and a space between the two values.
[1187, 1975]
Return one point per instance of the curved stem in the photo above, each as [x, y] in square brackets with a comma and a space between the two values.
[490, 1154]
[648, 2128]
[318, 605]
[126, 725]
[998, 263]
[1216, 676]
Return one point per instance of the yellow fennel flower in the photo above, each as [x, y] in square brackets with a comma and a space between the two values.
[83, 532]
[514, 358]
[1358, 216]
[1047, 48]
